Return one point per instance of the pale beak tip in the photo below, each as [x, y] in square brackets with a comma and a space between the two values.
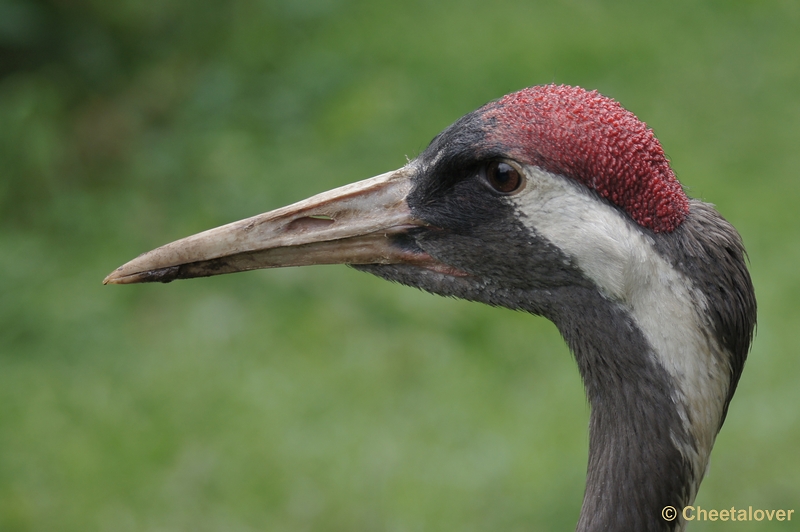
[118, 277]
[161, 275]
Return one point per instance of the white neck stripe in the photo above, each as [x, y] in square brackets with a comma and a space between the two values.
[621, 260]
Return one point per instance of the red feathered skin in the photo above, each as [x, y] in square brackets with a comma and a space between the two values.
[594, 140]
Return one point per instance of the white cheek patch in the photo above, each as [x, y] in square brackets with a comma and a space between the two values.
[621, 260]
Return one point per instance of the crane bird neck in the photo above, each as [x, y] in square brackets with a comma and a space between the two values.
[594, 140]
[635, 280]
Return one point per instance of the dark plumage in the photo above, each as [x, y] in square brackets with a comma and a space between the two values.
[558, 202]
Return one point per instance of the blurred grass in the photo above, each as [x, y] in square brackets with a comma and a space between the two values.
[321, 398]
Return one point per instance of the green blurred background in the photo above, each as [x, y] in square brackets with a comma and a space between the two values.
[322, 398]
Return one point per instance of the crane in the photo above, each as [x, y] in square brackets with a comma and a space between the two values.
[556, 201]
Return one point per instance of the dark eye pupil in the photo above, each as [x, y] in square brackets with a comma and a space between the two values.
[503, 177]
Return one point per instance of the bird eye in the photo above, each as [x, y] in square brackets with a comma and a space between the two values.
[503, 177]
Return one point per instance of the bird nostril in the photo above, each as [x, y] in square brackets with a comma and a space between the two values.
[310, 222]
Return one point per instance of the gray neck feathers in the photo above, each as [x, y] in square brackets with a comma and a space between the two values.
[636, 467]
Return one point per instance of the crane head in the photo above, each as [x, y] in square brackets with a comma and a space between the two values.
[482, 212]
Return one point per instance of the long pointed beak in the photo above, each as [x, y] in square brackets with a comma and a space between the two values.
[353, 224]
